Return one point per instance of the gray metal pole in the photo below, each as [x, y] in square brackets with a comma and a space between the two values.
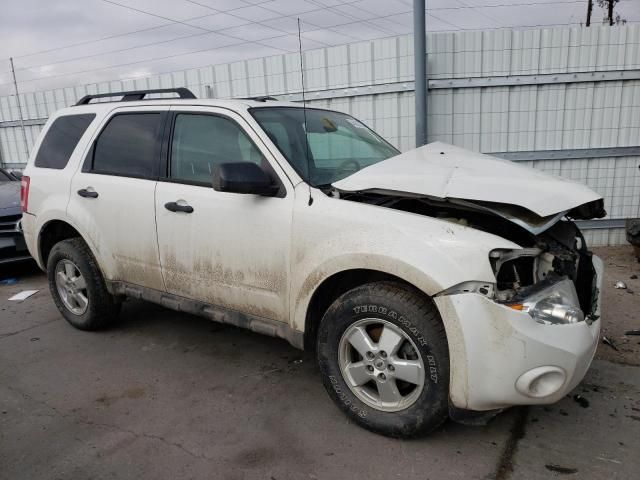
[420, 63]
[24, 132]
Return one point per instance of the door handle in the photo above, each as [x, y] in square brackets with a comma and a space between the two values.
[175, 207]
[83, 192]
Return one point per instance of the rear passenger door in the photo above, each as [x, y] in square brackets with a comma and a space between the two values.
[112, 197]
[226, 249]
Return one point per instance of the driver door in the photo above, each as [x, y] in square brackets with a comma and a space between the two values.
[228, 249]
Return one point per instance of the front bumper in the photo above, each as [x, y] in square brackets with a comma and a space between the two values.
[497, 352]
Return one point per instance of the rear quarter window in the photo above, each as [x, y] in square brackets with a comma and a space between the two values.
[129, 145]
[61, 140]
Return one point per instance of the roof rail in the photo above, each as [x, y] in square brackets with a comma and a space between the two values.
[137, 94]
[261, 98]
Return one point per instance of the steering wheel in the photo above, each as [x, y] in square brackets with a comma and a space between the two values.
[344, 166]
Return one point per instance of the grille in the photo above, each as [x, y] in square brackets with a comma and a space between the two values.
[10, 223]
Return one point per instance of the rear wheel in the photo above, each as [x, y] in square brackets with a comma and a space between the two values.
[77, 286]
[383, 354]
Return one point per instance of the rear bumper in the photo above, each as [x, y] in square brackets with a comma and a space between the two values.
[501, 357]
[29, 230]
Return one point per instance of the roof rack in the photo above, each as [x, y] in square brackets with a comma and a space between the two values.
[137, 94]
[261, 98]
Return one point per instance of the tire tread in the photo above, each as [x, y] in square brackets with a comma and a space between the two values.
[424, 315]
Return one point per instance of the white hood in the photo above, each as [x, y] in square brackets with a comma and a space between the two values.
[444, 171]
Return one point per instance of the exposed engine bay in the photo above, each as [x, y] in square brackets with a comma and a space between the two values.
[553, 250]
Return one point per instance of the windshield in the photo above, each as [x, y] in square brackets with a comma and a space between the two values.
[338, 144]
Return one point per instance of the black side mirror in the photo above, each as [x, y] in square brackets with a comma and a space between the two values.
[17, 174]
[243, 177]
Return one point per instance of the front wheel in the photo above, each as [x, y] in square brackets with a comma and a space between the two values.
[384, 359]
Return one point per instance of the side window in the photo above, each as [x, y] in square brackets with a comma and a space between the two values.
[129, 145]
[61, 140]
[200, 142]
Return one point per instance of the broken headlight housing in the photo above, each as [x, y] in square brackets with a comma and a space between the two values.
[556, 304]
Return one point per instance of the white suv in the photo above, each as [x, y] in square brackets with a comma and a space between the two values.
[430, 283]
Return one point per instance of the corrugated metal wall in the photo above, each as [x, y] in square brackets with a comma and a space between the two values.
[569, 89]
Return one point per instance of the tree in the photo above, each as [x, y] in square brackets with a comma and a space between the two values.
[589, 10]
[608, 7]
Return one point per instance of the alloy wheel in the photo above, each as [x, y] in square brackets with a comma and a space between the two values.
[71, 287]
[381, 365]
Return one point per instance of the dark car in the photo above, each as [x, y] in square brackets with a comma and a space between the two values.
[12, 246]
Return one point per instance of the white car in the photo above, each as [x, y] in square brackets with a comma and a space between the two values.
[433, 283]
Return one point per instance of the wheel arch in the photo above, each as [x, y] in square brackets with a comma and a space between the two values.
[56, 230]
[337, 284]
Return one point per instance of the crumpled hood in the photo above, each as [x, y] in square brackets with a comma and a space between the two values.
[448, 172]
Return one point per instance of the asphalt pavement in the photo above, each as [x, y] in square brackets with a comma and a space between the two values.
[168, 395]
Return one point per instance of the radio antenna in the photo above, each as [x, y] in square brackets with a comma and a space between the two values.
[304, 112]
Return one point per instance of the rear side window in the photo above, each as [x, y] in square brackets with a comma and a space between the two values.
[61, 140]
[129, 146]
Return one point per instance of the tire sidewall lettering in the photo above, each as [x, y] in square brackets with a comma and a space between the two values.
[344, 398]
[431, 364]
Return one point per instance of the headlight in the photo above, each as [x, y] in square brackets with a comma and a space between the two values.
[548, 311]
[556, 304]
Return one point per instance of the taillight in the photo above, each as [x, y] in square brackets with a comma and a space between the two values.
[24, 193]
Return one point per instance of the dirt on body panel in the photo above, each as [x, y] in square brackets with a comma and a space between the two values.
[143, 270]
[309, 286]
[210, 282]
[459, 378]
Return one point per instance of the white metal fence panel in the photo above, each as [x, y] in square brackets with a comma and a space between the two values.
[493, 91]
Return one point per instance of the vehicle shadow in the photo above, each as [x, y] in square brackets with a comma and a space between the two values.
[19, 270]
[247, 354]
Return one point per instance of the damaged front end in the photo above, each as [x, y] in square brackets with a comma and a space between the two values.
[529, 207]
[534, 321]
[553, 280]
[552, 277]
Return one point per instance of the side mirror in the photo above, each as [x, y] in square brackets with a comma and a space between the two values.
[17, 174]
[243, 177]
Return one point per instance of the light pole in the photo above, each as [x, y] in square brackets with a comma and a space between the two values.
[24, 132]
[420, 64]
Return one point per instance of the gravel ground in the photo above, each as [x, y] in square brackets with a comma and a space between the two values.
[620, 307]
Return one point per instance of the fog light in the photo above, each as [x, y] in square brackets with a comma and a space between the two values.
[541, 381]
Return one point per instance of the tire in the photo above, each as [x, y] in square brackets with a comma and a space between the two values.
[403, 319]
[68, 259]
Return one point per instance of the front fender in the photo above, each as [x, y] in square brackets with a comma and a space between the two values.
[303, 294]
[334, 235]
